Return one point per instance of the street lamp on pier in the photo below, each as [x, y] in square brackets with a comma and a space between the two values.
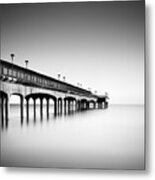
[59, 75]
[95, 92]
[26, 63]
[12, 58]
[64, 78]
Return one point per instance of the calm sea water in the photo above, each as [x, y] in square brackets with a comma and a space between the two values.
[110, 139]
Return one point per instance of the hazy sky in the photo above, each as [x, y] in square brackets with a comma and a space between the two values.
[100, 45]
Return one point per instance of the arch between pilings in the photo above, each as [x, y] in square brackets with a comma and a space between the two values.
[92, 102]
[70, 98]
[40, 96]
[84, 104]
[21, 103]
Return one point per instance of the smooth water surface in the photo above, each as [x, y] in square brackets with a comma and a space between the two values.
[109, 139]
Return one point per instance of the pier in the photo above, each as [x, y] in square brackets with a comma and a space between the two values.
[29, 84]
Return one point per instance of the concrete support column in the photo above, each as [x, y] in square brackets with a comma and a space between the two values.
[61, 106]
[87, 104]
[21, 107]
[58, 106]
[81, 105]
[41, 107]
[47, 100]
[76, 105]
[27, 108]
[64, 106]
[2, 110]
[34, 107]
[55, 107]
[69, 106]
[6, 109]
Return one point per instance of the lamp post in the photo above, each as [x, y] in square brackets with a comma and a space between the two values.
[106, 94]
[12, 58]
[59, 76]
[64, 78]
[26, 63]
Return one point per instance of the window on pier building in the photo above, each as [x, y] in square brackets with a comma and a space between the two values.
[38, 80]
[28, 77]
[4, 71]
[10, 72]
[45, 82]
[35, 79]
[18, 74]
[14, 73]
[21, 75]
[32, 77]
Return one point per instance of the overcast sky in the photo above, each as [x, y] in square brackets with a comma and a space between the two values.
[100, 45]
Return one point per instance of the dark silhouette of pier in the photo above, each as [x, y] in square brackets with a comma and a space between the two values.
[28, 84]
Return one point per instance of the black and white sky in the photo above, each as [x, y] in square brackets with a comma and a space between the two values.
[98, 44]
